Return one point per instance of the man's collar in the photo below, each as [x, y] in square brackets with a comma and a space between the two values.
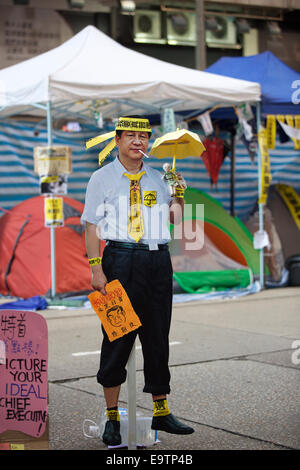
[120, 169]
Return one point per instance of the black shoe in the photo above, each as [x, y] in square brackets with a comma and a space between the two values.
[111, 435]
[170, 424]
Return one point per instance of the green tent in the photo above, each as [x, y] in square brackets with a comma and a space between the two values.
[214, 250]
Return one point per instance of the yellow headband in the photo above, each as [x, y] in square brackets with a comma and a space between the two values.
[124, 124]
[133, 124]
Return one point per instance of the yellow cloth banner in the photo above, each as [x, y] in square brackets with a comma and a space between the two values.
[265, 166]
[271, 131]
[292, 200]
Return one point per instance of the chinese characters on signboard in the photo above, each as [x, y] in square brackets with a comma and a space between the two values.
[27, 32]
[115, 310]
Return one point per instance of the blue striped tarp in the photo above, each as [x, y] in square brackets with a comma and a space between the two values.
[19, 182]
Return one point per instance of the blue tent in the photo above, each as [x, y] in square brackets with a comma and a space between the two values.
[275, 78]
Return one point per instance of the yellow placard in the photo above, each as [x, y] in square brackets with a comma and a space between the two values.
[292, 200]
[149, 198]
[54, 212]
[265, 166]
[271, 131]
[115, 310]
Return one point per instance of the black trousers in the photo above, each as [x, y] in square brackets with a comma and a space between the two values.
[147, 278]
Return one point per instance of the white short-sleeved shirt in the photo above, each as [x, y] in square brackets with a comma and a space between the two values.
[107, 203]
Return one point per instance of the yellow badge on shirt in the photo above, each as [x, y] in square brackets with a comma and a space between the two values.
[149, 198]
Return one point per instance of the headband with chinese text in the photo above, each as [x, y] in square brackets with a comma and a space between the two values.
[124, 124]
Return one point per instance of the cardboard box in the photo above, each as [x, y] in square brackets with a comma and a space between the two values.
[16, 440]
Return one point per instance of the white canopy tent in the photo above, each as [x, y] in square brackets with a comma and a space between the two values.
[92, 66]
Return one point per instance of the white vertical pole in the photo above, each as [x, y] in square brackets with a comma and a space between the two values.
[260, 206]
[52, 229]
[131, 390]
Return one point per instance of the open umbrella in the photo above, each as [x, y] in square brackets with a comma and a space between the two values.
[179, 144]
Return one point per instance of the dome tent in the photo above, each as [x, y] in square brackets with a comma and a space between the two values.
[25, 251]
[227, 259]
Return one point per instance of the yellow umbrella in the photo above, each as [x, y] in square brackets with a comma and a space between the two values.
[179, 144]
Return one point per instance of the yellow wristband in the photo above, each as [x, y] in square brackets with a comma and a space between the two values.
[179, 192]
[94, 261]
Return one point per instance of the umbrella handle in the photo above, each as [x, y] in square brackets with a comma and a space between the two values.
[173, 167]
[174, 157]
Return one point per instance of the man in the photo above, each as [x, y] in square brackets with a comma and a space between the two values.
[128, 204]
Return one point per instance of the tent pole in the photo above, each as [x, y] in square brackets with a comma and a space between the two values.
[52, 228]
[232, 174]
[260, 206]
[131, 391]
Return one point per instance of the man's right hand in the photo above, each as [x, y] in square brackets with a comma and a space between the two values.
[99, 281]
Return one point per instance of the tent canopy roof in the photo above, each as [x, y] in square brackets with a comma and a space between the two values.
[91, 65]
[274, 76]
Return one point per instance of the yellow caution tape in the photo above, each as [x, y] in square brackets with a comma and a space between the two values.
[271, 131]
[265, 166]
[292, 200]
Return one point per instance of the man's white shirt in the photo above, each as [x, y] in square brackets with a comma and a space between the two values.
[107, 203]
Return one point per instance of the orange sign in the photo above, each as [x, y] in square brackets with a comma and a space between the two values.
[115, 310]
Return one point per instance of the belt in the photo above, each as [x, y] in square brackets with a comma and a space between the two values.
[134, 246]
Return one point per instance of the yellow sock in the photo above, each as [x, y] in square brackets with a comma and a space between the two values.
[113, 414]
[160, 408]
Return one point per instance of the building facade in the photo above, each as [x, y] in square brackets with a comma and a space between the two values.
[175, 31]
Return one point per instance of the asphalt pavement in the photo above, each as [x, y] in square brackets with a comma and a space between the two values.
[234, 364]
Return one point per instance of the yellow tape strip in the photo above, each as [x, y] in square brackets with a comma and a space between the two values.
[179, 192]
[106, 151]
[265, 166]
[95, 261]
[297, 126]
[290, 122]
[292, 200]
[133, 124]
[271, 131]
[99, 139]
[113, 415]
[160, 408]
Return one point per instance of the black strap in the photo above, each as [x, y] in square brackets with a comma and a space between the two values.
[134, 246]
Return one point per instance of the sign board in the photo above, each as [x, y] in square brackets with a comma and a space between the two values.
[27, 32]
[54, 215]
[115, 310]
[53, 160]
[169, 121]
[56, 184]
[23, 372]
